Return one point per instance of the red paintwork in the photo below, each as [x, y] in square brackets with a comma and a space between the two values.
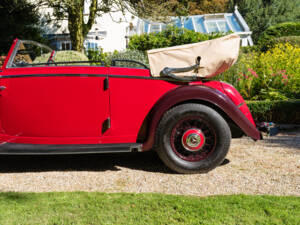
[238, 100]
[60, 107]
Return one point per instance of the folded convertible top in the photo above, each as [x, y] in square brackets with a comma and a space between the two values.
[217, 55]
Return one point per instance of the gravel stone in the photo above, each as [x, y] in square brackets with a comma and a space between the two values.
[270, 166]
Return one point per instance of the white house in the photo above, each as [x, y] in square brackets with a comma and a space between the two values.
[111, 34]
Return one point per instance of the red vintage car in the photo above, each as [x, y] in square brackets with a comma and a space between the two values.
[53, 107]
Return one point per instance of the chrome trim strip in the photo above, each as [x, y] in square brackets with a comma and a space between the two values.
[84, 75]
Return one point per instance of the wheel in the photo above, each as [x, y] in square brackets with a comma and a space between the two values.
[192, 138]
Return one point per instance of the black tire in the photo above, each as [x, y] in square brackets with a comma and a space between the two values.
[192, 138]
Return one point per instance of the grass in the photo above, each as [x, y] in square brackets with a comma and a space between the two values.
[100, 208]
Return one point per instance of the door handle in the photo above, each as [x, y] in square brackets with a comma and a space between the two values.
[2, 88]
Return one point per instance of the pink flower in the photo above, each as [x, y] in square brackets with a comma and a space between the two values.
[252, 72]
[284, 81]
[245, 76]
[284, 76]
[239, 79]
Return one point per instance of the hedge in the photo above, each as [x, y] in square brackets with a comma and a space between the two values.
[284, 112]
[293, 40]
[268, 37]
[62, 56]
[171, 36]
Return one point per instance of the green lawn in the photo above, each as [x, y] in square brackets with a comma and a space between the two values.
[100, 208]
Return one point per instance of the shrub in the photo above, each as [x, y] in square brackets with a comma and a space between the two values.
[171, 36]
[261, 14]
[275, 111]
[2, 60]
[293, 40]
[270, 36]
[62, 56]
[131, 55]
[107, 57]
[98, 55]
[273, 75]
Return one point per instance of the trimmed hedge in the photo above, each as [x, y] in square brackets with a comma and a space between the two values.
[62, 56]
[268, 37]
[283, 29]
[286, 112]
[293, 40]
[171, 36]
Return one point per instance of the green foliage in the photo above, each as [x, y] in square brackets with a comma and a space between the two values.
[98, 55]
[268, 38]
[62, 56]
[199, 7]
[131, 55]
[107, 57]
[273, 75]
[82, 208]
[293, 40]
[171, 36]
[19, 19]
[276, 111]
[260, 14]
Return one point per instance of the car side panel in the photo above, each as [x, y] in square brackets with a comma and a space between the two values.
[131, 99]
[53, 108]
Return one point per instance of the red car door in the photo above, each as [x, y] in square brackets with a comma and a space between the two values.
[54, 104]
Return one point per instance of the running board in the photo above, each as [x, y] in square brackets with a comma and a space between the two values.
[38, 149]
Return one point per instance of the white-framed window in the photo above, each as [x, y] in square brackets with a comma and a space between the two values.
[216, 25]
[91, 45]
[66, 45]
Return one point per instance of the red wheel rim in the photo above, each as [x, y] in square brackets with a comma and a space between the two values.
[193, 139]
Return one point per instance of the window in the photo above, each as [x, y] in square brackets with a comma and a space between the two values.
[199, 22]
[211, 26]
[217, 25]
[234, 23]
[29, 53]
[155, 28]
[91, 45]
[223, 26]
[65, 46]
[188, 23]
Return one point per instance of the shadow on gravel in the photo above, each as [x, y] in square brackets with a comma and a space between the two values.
[286, 139]
[146, 161]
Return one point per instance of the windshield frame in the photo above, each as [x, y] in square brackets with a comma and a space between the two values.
[14, 53]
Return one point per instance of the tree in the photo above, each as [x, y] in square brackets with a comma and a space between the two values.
[198, 7]
[18, 19]
[72, 10]
[260, 14]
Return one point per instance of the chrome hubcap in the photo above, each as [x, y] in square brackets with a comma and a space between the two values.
[193, 140]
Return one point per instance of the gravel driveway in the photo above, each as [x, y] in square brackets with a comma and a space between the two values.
[271, 166]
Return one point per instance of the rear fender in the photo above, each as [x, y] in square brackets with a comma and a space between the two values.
[202, 93]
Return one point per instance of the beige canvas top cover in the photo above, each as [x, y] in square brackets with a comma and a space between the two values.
[217, 55]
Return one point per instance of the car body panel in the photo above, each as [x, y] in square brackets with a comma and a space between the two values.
[197, 93]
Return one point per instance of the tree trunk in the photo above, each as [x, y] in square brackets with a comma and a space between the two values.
[77, 28]
[75, 25]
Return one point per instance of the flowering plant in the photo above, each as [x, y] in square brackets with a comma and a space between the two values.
[273, 75]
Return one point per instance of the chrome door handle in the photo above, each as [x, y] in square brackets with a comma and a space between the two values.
[2, 88]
